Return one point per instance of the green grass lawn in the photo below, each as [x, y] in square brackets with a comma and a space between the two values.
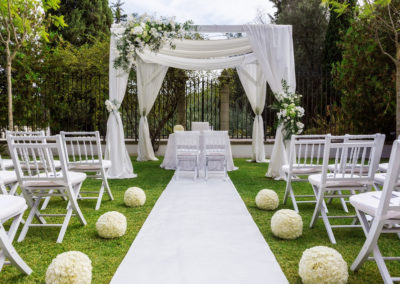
[39, 247]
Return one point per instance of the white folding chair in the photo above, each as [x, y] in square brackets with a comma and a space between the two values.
[305, 158]
[347, 174]
[11, 207]
[215, 150]
[83, 154]
[187, 146]
[384, 208]
[38, 178]
[200, 126]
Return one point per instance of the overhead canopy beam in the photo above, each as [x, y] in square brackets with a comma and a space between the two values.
[218, 28]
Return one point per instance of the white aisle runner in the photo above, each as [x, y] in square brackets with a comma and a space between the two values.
[199, 233]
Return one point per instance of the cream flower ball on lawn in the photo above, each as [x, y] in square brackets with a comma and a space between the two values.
[73, 267]
[111, 225]
[134, 197]
[267, 199]
[287, 224]
[322, 264]
[178, 127]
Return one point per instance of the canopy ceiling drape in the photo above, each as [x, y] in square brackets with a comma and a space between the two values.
[265, 55]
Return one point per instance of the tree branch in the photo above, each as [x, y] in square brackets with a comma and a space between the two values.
[382, 50]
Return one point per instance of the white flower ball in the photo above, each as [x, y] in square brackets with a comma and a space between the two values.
[71, 267]
[322, 264]
[178, 127]
[267, 199]
[134, 197]
[111, 225]
[287, 224]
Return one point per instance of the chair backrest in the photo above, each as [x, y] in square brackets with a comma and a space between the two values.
[26, 133]
[200, 126]
[82, 148]
[392, 181]
[34, 160]
[306, 151]
[355, 157]
[187, 141]
[215, 141]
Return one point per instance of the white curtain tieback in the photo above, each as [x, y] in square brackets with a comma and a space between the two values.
[113, 106]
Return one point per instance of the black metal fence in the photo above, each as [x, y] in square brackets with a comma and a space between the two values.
[76, 102]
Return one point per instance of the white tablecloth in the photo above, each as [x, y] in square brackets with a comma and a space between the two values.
[169, 162]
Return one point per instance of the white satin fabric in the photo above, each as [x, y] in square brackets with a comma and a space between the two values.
[255, 84]
[115, 141]
[273, 48]
[149, 80]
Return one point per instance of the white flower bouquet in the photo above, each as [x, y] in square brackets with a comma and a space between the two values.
[113, 105]
[147, 32]
[289, 111]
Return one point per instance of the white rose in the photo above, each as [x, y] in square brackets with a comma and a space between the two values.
[137, 30]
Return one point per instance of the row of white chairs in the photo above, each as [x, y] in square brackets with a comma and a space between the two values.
[188, 150]
[40, 177]
[345, 168]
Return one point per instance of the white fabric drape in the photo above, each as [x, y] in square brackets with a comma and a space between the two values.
[254, 83]
[115, 142]
[149, 79]
[195, 63]
[273, 48]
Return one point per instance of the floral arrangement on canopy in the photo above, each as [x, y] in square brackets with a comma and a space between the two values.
[289, 111]
[147, 32]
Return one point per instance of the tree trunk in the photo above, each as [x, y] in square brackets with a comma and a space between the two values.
[224, 111]
[9, 93]
[397, 91]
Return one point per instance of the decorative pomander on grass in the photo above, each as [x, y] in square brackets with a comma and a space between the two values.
[73, 267]
[287, 224]
[322, 264]
[134, 197]
[111, 225]
[267, 199]
[178, 127]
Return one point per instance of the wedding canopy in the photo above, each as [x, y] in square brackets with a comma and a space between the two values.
[265, 55]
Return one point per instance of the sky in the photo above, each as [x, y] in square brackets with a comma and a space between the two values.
[202, 12]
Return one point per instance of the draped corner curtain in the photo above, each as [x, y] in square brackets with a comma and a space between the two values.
[273, 48]
[121, 166]
[266, 55]
[255, 85]
[149, 79]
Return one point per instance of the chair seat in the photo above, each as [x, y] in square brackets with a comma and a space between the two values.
[298, 169]
[368, 202]
[383, 167]
[74, 177]
[7, 177]
[89, 165]
[7, 164]
[380, 179]
[316, 180]
[11, 205]
[348, 169]
[188, 153]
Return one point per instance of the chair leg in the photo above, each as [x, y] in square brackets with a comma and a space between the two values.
[3, 189]
[9, 251]
[328, 226]
[28, 222]
[104, 174]
[46, 201]
[13, 188]
[65, 223]
[370, 246]
[206, 169]
[75, 205]
[318, 206]
[286, 195]
[343, 201]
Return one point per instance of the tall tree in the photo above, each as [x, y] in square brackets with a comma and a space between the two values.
[118, 11]
[337, 27]
[382, 17]
[85, 19]
[309, 20]
[23, 21]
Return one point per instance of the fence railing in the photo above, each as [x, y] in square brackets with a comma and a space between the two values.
[76, 102]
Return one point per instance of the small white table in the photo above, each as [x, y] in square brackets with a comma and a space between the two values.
[169, 162]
